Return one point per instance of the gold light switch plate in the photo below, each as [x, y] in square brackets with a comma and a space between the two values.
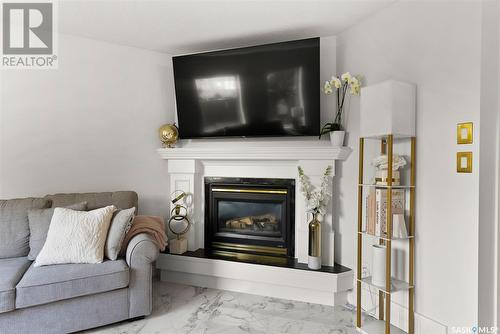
[464, 162]
[464, 133]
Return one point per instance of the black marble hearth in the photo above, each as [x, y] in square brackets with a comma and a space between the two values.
[289, 263]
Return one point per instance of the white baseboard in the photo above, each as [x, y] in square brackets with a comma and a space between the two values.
[399, 314]
[255, 288]
[295, 284]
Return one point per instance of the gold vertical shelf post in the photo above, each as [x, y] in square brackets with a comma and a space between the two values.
[383, 150]
[360, 226]
[388, 252]
[411, 269]
[387, 147]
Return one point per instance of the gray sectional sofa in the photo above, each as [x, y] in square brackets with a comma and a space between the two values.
[70, 297]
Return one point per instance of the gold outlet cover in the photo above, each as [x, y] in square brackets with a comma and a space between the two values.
[464, 133]
[464, 162]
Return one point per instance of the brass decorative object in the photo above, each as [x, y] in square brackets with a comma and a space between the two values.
[314, 243]
[179, 224]
[465, 133]
[177, 217]
[179, 197]
[169, 134]
[464, 162]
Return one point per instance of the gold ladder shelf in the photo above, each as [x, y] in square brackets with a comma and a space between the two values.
[392, 285]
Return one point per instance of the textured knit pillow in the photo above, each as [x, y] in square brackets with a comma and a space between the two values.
[39, 222]
[76, 236]
[120, 224]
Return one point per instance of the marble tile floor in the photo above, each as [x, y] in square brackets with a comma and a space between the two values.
[182, 309]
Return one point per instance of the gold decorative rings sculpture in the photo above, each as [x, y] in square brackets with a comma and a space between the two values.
[177, 217]
[179, 223]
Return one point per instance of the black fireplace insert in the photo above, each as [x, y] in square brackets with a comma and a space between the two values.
[248, 218]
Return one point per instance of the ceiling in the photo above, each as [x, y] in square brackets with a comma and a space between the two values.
[176, 27]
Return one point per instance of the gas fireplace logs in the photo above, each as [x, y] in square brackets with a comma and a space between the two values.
[262, 222]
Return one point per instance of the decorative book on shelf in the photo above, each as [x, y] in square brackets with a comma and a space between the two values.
[371, 214]
[376, 210]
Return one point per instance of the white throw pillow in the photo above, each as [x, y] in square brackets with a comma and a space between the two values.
[76, 236]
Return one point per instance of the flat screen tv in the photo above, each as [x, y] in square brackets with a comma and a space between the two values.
[260, 91]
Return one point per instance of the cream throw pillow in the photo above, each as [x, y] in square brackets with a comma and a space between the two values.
[76, 236]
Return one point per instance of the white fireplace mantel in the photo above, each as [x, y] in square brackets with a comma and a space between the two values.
[310, 152]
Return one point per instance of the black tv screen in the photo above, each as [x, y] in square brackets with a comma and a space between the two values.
[267, 90]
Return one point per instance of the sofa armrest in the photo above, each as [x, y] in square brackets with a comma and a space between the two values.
[141, 253]
[141, 249]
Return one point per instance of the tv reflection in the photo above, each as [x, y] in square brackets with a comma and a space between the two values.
[225, 110]
[220, 101]
[286, 98]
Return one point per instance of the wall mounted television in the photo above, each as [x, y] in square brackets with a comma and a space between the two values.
[260, 91]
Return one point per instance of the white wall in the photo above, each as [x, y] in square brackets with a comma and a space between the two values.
[437, 46]
[488, 178]
[90, 125]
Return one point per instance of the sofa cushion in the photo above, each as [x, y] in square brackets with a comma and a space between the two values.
[39, 222]
[120, 199]
[11, 271]
[14, 230]
[41, 285]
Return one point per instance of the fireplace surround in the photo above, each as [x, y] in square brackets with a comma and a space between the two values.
[250, 218]
[186, 169]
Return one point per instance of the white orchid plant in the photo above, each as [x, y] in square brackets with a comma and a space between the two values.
[341, 85]
[317, 200]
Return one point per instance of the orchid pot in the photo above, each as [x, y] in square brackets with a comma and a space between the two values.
[337, 138]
